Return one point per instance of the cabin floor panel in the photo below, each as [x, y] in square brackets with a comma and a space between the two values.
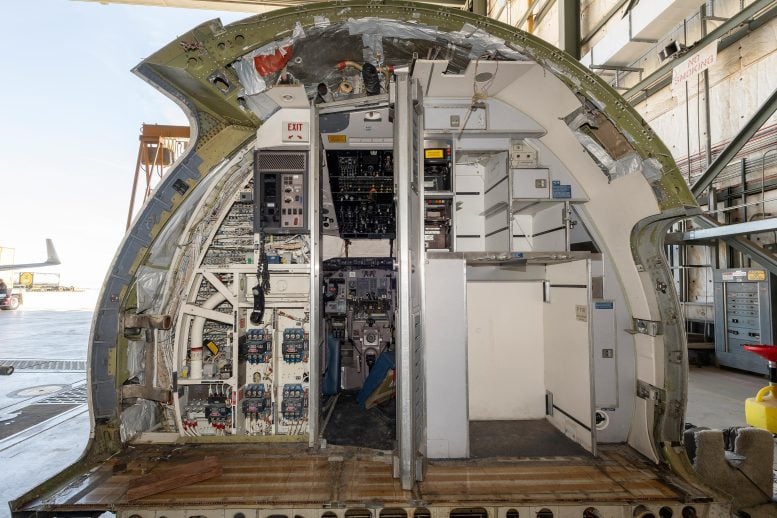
[351, 425]
[262, 475]
[524, 438]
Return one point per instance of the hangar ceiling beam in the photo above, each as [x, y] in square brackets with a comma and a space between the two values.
[666, 69]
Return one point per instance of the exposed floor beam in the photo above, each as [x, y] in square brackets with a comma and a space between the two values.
[735, 146]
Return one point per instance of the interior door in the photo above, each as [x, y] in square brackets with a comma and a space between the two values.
[411, 404]
[568, 352]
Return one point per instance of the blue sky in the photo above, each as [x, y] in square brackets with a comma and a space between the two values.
[70, 115]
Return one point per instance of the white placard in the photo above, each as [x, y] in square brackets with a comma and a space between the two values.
[696, 64]
[581, 312]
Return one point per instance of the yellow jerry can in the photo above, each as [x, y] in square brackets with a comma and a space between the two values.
[761, 410]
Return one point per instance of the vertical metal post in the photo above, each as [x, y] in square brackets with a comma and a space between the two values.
[316, 337]
[706, 78]
[743, 179]
[712, 204]
[134, 189]
[569, 27]
[728, 250]
[566, 218]
[688, 131]
[682, 262]
[403, 177]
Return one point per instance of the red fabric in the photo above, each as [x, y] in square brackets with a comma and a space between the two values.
[274, 62]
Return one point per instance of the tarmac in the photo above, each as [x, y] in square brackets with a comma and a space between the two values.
[44, 421]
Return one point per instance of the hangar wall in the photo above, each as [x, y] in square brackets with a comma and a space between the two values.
[621, 40]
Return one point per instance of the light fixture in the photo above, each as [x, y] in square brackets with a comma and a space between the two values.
[372, 116]
[671, 50]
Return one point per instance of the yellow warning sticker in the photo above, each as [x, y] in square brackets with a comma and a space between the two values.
[434, 153]
[212, 347]
[337, 139]
[756, 275]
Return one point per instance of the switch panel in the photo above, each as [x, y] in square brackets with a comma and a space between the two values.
[362, 184]
[280, 203]
[257, 403]
[292, 199]
[257, 347]
[295, 347]
[294, 402]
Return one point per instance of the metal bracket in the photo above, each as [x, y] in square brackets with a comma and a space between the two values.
[142, 326]
[676, 356]
[147, 321]
[147, 392]
[645, 327]
[132, 323]
[649, 392]
[546, 291]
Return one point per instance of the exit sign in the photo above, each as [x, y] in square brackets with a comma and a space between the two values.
[295, 131]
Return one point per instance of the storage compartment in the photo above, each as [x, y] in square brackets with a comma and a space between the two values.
[438, 213]
[530, 183]
[482, 201]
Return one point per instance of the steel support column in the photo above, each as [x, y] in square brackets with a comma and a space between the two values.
[735, 146]
[569, 27]
[481, 7]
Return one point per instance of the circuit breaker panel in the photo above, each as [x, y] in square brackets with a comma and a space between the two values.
[744, 301]
[242, 342]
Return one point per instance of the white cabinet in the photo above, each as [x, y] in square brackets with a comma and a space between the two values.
[531, 183]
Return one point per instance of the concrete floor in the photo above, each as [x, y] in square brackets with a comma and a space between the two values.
[715, 399]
